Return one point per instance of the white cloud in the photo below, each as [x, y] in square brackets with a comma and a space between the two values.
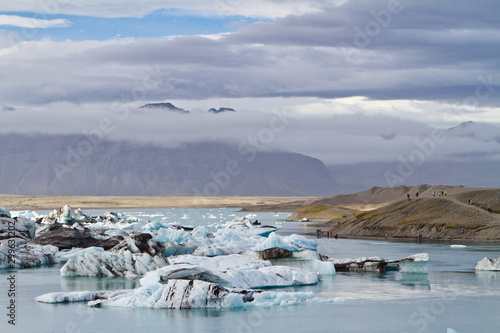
[131, 8]
[338, 139]
[31, 22]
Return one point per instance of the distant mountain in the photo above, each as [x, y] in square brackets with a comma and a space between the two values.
[477, 131]
[220, 110]
[73, 165]
[7, 108]
[164, 106]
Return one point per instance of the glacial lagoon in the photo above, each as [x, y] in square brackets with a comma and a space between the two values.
[451, 297]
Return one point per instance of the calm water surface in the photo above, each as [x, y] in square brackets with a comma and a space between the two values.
[451, 295]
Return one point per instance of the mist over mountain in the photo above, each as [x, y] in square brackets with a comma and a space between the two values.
[74, 165]
[357, 177]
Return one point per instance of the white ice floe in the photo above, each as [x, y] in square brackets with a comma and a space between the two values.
[78, 296]
[18, 227]
[4, 212]
[487, 264]
[232, 271]
[457, 246]
[75, 252]
[416, 263]
[112, 264]
[26, 255]
[245, 228]
[155, 225]
[27, 214]
[191, 294]
[292, 243]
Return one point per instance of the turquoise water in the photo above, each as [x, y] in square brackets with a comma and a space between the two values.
[451, 295]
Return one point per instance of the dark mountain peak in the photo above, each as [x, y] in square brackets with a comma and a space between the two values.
[221, 109]
[463, 125]
[164, 106]
[477, 131]
[7, 108]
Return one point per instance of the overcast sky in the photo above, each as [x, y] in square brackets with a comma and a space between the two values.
[359, 80]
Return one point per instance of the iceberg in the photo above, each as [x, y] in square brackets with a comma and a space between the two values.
[245, 228]
[17, 227]
[4, 212]
[76, 252]
[292, 243]
[232, 271]
[112, 264]
[416, 263]
[487, 264]
[308, 260]
[192, 294]
[27, 255]
[78, 296]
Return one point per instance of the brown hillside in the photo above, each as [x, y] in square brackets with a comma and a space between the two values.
[380, 195]
[428, 217]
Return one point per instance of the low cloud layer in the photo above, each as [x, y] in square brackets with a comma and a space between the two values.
[340, 139]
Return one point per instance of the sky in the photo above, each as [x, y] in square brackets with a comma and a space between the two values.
[355, 80]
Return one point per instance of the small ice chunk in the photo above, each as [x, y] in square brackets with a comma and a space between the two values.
[4, 212]
[487, 264]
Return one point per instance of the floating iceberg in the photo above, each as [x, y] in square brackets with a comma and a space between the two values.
[76, 252]
[112, 264]
[180, 294]
[246, 229]
[292, 243]
[416, 263]
[78, 296]
[232, 271]
[487, 264]
[4, 212]
[457, 246]
[27, 255]
[191, 294]
[17, 227]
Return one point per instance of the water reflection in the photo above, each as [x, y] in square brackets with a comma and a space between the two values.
[98, 283]
[417, 281]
